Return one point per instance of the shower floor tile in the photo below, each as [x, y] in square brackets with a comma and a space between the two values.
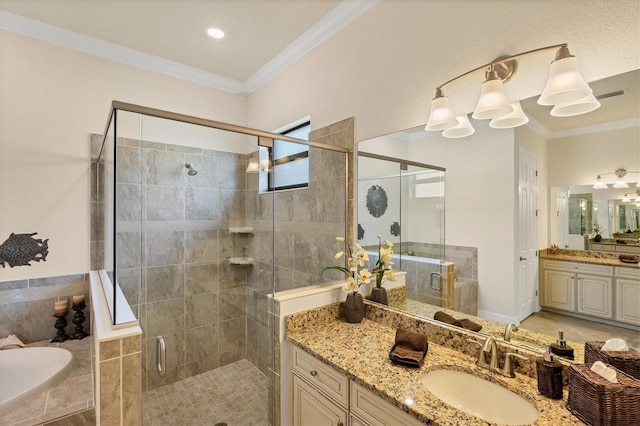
[235, 394]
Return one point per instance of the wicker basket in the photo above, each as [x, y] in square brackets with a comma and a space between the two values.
[596, 401]
[627, 361]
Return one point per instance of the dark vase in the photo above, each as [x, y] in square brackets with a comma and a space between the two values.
[598, 238]
[354, 308]
[379, 295]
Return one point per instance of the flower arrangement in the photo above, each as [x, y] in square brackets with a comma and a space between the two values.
[383, 269]
[355, 260]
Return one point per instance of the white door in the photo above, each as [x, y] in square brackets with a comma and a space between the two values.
[527, 262]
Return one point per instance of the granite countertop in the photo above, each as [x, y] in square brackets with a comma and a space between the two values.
[361, 352]
[491, 328]
[587, 256]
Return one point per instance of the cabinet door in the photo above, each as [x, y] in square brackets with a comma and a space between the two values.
[311, 408]
[559, 290]
[372, 410]
[628, 301]
[595, 296]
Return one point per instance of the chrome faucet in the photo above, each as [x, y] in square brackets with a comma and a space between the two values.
[507, 331]
[490, 348]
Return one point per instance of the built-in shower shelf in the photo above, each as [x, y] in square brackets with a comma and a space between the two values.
[241, 230]
[247, 261]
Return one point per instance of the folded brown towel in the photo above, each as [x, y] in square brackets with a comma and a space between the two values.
[463, 323]
[409, 349]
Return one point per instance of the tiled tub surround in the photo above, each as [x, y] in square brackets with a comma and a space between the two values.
[361, 352]
[26, 306]
[66, 400]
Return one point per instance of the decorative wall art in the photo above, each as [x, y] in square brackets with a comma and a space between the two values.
[395, 229]
[376, 200]
[21, 249]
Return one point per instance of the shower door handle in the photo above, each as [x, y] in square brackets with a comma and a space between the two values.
[161, 357]
[439, 281]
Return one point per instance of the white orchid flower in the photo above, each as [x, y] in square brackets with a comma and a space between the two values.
[339, 254]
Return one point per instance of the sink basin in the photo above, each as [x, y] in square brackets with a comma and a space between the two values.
[480, 398]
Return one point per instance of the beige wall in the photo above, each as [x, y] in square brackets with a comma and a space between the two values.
[52, 99]
[577, 160]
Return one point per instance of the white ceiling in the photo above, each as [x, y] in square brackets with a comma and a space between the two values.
[262, 36]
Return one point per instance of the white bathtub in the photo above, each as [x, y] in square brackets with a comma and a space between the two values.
[25, 372]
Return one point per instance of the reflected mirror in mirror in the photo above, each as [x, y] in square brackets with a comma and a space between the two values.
[481, 213]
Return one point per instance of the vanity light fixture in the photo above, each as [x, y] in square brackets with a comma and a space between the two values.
[626, 198]
[253, 166]
[463, 129]
[619, 183]
[565, 89]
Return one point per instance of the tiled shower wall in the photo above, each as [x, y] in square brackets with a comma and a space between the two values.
[173, 247]
[306, 224]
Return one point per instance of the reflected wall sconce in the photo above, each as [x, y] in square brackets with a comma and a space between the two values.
[619, 183]
[566, 90]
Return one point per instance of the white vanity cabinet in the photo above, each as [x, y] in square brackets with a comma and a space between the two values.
[627, 290]
[582, 288]
[323, 396]
[599, 291]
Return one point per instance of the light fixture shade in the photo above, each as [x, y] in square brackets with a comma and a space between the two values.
[441, 117]
[253, 166]
[463, 129]
[493, 101]
[515, 119]
[626, 199]
[581, 106]
[565, 83]
[620, 184]
[599, 184]
[638, 184]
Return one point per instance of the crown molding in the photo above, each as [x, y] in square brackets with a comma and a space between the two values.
[93, 46]
[538, 128]
[597, 128]
[343, 14]
[331, 23]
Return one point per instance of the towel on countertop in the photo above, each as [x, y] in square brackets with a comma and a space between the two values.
[463, 323]
[409, 348]
[10, 341]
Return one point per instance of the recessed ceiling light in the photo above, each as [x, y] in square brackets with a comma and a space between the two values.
[216, 33]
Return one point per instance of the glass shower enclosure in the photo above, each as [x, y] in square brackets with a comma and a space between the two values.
[196, 242]
[404, 202]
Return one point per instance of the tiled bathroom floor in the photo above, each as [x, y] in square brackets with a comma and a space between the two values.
[577, 329]
[235, 394]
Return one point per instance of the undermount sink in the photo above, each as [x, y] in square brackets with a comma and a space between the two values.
[480, 398]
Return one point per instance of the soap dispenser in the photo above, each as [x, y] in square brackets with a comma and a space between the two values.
[561, 348]
[549, 376]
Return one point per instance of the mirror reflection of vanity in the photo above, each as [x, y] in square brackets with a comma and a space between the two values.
[478, 215]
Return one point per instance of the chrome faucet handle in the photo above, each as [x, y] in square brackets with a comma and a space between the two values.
[507, 369]
[507, 331]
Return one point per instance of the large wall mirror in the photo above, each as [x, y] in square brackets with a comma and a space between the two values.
[482, 189]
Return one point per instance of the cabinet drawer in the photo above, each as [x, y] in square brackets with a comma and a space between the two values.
[579, 267]
[373, 410]
[602, 247]
[325, 378]
[631, 273]
[628, 249]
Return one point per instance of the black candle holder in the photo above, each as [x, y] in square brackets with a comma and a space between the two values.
[78, 320]
[60, 325]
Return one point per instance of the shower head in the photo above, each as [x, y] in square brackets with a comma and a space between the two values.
[192, 171]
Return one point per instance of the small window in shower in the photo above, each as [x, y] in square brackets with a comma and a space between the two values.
[290, 161]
